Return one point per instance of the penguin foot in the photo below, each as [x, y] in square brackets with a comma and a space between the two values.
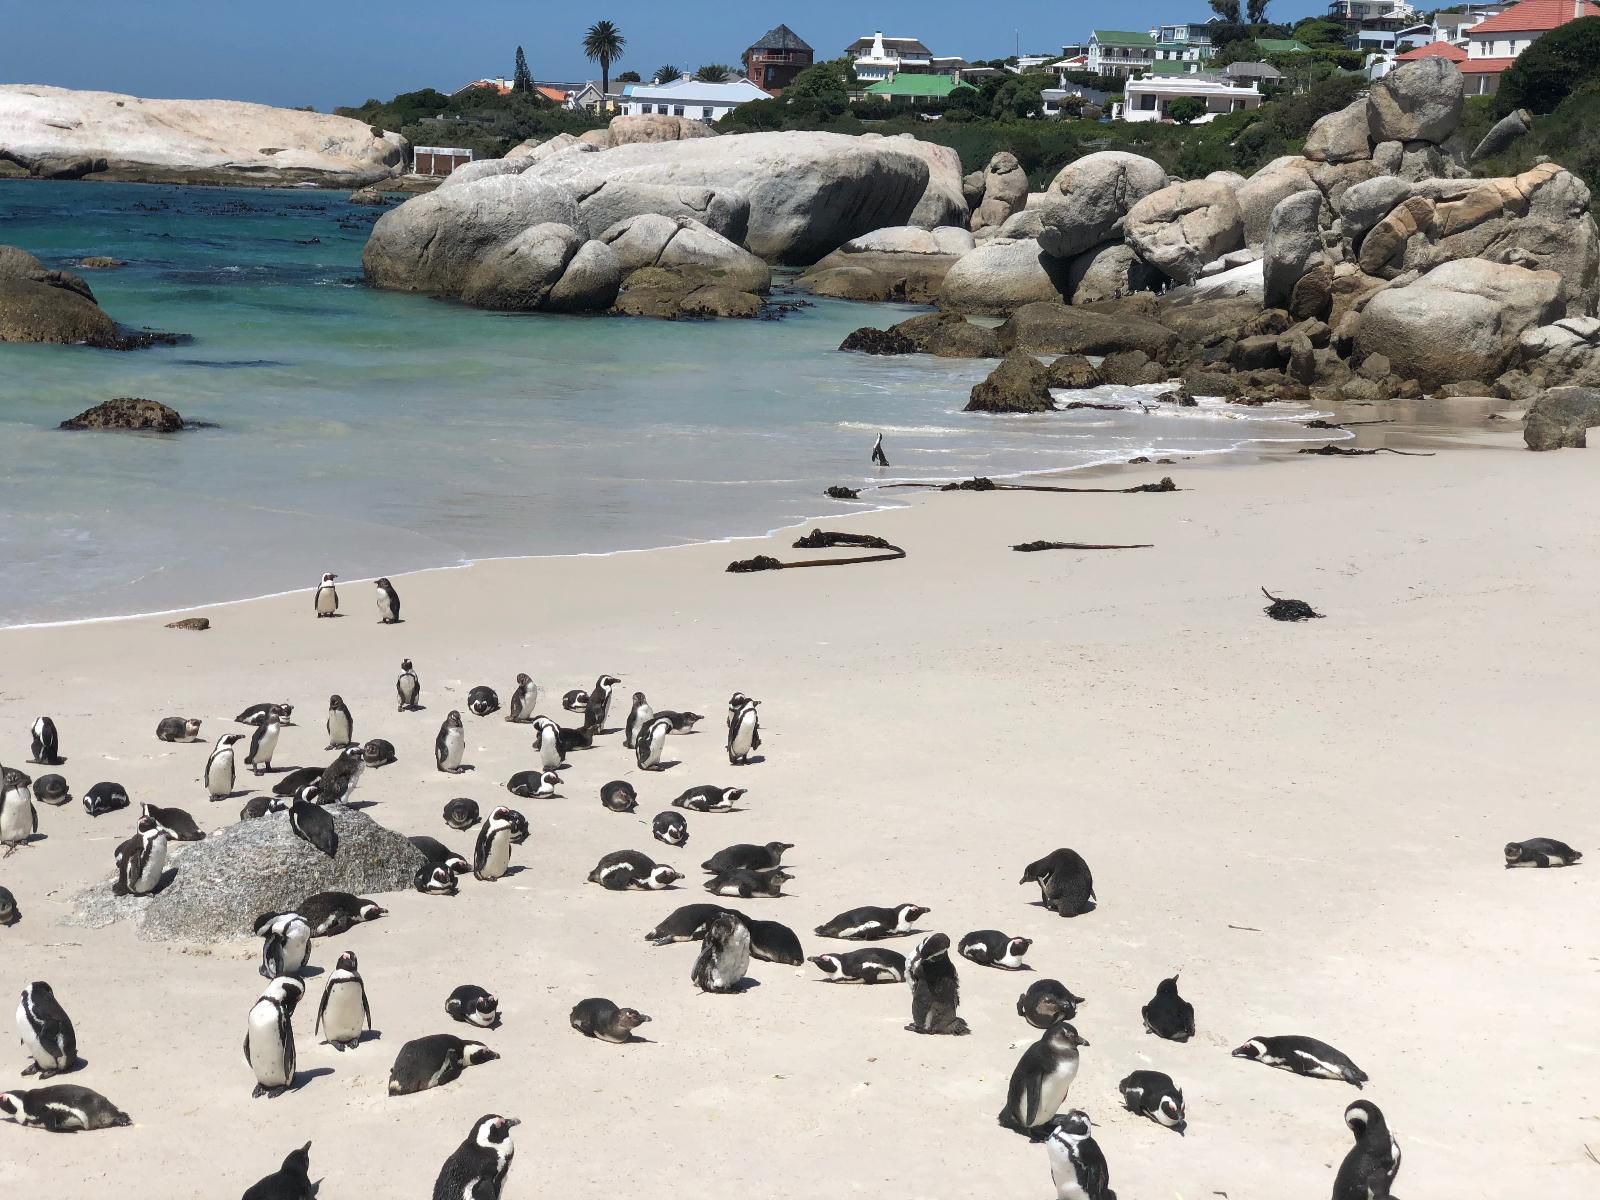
[261, 1091]
[31, 1069]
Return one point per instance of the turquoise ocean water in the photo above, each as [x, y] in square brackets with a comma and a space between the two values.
[369, 433]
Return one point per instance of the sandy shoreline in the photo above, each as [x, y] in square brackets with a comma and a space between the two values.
[1341, 787]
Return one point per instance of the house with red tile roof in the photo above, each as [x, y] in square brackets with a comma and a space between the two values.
[1493, 45]
[1434, 50]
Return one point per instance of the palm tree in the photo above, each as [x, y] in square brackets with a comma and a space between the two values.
[667, 74]
[603, 44]
[713, 73]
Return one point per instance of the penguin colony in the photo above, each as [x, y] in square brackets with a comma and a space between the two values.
[1035, 1104]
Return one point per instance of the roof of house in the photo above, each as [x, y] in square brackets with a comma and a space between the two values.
[1434, 50]
[559, 95]
[1485, 66]
[691, 91]
[1533, 16]
[1172, 66]
[1281, 46]
[908, 84]
[1121, 37]
[906, 46]
[1252, 70]
[781, 38]
[500, 87]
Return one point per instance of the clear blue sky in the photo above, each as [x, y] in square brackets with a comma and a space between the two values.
[293, 52]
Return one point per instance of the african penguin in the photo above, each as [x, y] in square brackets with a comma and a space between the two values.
[624, 870]
[773, 942]
[257, 713]
[481, 701]
[388, 601]
[408, 687]
[1077, 1164]
[568, 740]
[1541, 852]
[1303, 1056]
[748, 884]
[178, 825]
[682, 722]
[52, 790]
[686, 924]
[747, 857]
[435, 879]
[140, 860]
[519, 826]
[1041, 1079]
[286, 943]
[338, 780]
[1047, 1001]
[19, 820]
[935, 989]
[879, 459]
[639, 716]
[438, 854]
[326, 601]
[341, 725]
[575, 701]
[177, 729]
[433, 1061]
[311, 823]
[473, 1005]
[869, 924]
[1153, 1094]
[62, 1108]
[991, 948]
[477, 1169]
[651, 744]
[105, 797]
[744, 733]
[1066, 885]
[10, 914]
[219, 772]
[263, 743]
[710, 798]
[449, 746]
[599, 1018]
[269, 1037]
[671, 828]
[344, 1011]
[333, 913]
[291, 1181]
[46, 743]
[1169, 1015]
[533, 784]
[724, 955]
[1369, 1168]
[46, 1032]
[520, 707]
[290, 783]
[461, 813]
[492, 855]
[547, 742]
[377, 752]
[598, 705]
[619, 796]
[259, 806]
[872, 965]
[735, 703]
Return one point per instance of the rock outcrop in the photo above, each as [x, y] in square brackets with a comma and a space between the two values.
[1421, 101]
[1020, 384]
[1001, 276]
[1181, 228]
[128, 412]
[1259, 195]
[1059, 329]
[54, 131]
[42, 305]
[720, 210]
[902, 263]
[689, 250]
[1005, 191]
[1090, 197]
[943, 202]
[654, 127]
[1561, 418]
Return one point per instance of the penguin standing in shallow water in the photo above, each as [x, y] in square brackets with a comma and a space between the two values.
[46, 743]
[140, 860]
[1041, 1080]
[935, 989]
[1368, 1170]
[269, 1037]
[1077, 1164]
[343, 1012]
[326, 602]
[477, 1169]
[638, 717]
[219, 773]
[1169, 1015]
[291, 1181]
[408, 687]
[520, 706]
[744, 733]
[264, 743]
[341, 725]
[46, 1032]
[651, 744]
[879, 458]
[450, 745]
[388, 602]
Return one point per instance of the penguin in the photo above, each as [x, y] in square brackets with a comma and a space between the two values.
[602, 1020]
[106, 797]
[629, 870]
[343, 1012]
[748, 884]
[873, 965]
[46, 1032]
[575, 701]
[492, 855]
[297, 778]
[440, 855]
[619, 796]
[338, 781]
[140, 860]
[1369, 1168]
[682, 722]
[333, 913]
[744, 734]
[473, 1005]
[1077, 1164]
[259, 806]
[178, 825]
[263, 743]
[291, 1181]
[52, 790]
[408, 687]
[533, 784]
[377, 752]
[547, 743]
[311, 823]
[19, 820]
[219, 772]
[269, 1037]
[257, 713]
[710, 798]
[10, 914]
[1539, 852]
[1046, 1002]
[671, 828]
[341, 725]
[746, 857]
[450, 745]
[435, 879]
[735, 703]
[1153, 1094]
[1303, 1056]
[879, 459]
[568, 740]
[481, 701]
[773, 942]
[1040, 1081]
[597, 706]
[433, 1061]
[286, 944]
[62, 1108]
[639, 716]
[477, 1169]
[526, 695]
[991, 948]
[652, 742]
[935, 988]
[461, 813]
[388, 601]
[869, 924]
[326, 601]
[46, 743]
[177, 729]
[1066, 885]
[1169, 1015]
[687, 924]
[724, 955]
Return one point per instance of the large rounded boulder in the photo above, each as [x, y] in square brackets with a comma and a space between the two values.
[1259, 195]
[530, 272]
[903, 263]
[1090, 197]
[1001, 276]
[687, 248]
[1005, 191]
[42, 305]
[724, 211]
[1181, 228]
[1420, 101]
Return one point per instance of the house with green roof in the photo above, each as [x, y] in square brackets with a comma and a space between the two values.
[1120, 52]
[909, 87]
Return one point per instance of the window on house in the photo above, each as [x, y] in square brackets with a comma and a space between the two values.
[705, 113]
[1147, 103]
[677, 110]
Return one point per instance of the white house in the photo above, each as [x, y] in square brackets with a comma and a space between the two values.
[1121, 52]
[877, 58]
[1148, 98]
[689, 98]
[1494, 44]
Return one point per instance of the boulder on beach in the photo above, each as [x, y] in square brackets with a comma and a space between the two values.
[943, 201]
[869, 340]
[189, 141]
[654, 127]
[1293, 245]
[1089, 198]
[1561, 417]
[948, 335]
[902, 263]
[1180, 228]
[482, 168]
[1259, 195]
[128, 412]
[39, 304]
[724, 212]
[664, 293]
[550, 267]
[1020, 384]
[1342, 136]
[1419, 101]
[224, 883]
[1059, 329]
[1109, 272]
[1005, 191]
[1001, 276]
[688, 248]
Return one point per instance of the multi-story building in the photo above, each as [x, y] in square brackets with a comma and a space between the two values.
[776, 58]
[1119, 52]
[877, 58]
[1494, 44]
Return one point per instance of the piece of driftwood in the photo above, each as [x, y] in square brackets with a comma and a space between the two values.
[818, 539]
[842, 493]
[983, 484]
[1030, 547]
[1319, 423]
[1288, 610]
[1353, 452]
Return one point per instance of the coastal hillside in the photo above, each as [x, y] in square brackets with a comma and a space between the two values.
[59, 133]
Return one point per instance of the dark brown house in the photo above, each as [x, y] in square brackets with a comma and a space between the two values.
[773, 62]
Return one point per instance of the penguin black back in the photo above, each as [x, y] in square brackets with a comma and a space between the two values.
[935, 988]
[291, 1181]
[1168, 1014]
[1369, 1168]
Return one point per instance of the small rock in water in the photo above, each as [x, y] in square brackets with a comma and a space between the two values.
[878, 341]
[128, 412]
[100, 262]
[842, 493]
[1288, 610]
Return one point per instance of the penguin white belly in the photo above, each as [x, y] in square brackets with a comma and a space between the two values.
[743, 735]
[499, 858]
[16, 817]
[339, 729]
[269, 743]
[296, 949]
[408, 689]
[454, 745]
[345, 1017]
[30, 1042]
[155, 863]
[385, 609]
[219, 775]
[1053, 1089]
[267, 1057]
[549, 751]
[652, 754]
[327, 601]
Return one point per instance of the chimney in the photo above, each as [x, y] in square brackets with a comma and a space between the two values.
[879, 53]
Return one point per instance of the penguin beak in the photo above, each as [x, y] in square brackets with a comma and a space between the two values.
[512, 1120]
[1180, 1127]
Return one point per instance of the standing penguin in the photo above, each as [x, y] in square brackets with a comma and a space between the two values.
[46, 743]
[651, 743]
[492, 855]
[408, 687]
[598, 705]
[46, 1032]
[311, 823]
[879, 459]
[341, 725]
[547, 741]
[388, 603]
[1066, 885]
[264, 742]
[141, 859]
[269, 1037]
[337, 783]
[744, 733]
[477, 1169]
[286, 943]
[219, 773]
[935, 988]
[520, 708]
[1041, 1080]
[724, 955]
[343, 1012]
[326, 603]
[638, 717]
[1169, 1015]
[1077, 1164]
[19, 820]
[292, 1181]
[450, 745]
[1368, 1170]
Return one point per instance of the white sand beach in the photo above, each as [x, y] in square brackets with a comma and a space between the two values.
[1305, 820]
